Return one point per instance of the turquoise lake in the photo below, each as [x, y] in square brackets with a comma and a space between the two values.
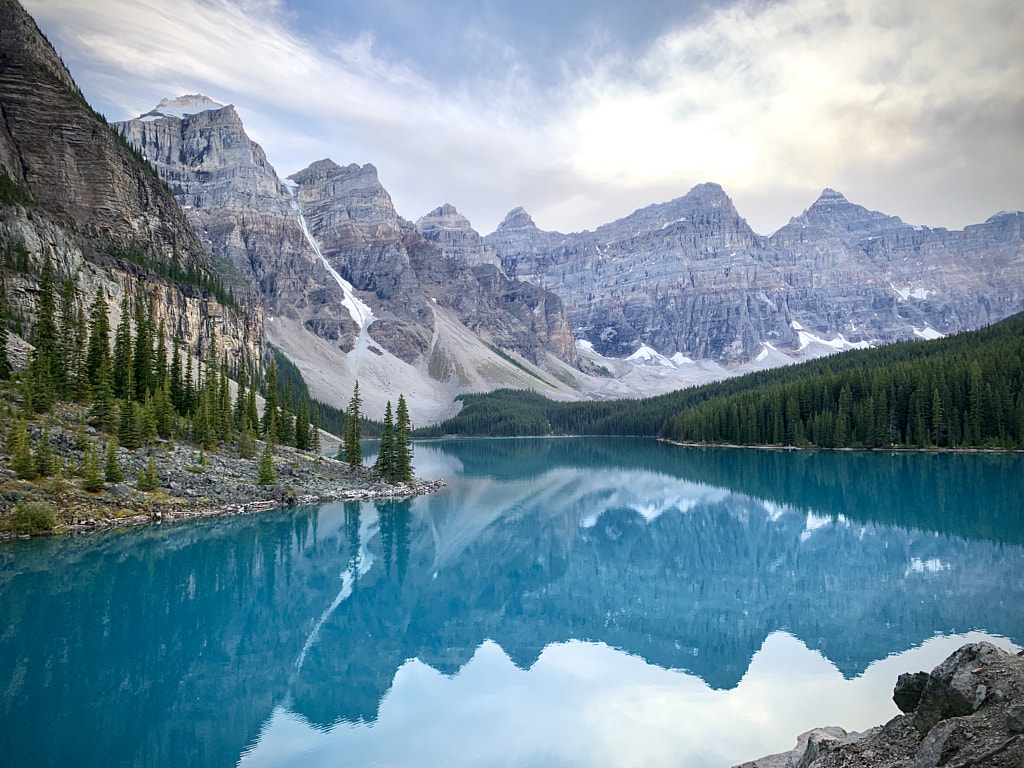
[563, 602]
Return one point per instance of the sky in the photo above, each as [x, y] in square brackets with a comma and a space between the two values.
[582, 111]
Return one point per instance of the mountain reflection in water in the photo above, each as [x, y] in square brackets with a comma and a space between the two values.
[576, 576]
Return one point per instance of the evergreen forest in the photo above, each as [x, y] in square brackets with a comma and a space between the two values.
[962, 391]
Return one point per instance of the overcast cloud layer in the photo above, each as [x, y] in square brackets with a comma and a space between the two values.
[583, 111]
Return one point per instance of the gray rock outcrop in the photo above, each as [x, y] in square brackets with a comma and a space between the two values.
[454, 235]
[965, 712]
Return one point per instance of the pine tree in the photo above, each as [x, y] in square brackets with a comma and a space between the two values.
[41, 374]
[92, 479]
[148, 479]
[285, 427]
[314, 430]
[81, 380]
[122, 363]
[270, 401]
[147, 420]
[46, 462]
[385, 464]
[190, 399]
[142, 357]
[129, 430]
[22, 461]
[99, 336]
[252, 417]
[240, 398]
[160, 372]
[176, 386]
[163, 411]
[266, 474]
[247, 443]
[402, 444]
[201, 433]
[302, 426]
[225, 419]
[112, 471]
[63, 368]
[104, 408]
[351, 449]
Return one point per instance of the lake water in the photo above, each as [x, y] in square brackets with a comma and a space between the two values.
[564, 602]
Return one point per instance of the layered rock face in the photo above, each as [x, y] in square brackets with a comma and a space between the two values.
[690, 276]
[352, 217]
[241, 210]
[90, 201]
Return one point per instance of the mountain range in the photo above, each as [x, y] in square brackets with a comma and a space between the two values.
[324, 267]
[676, 293]
[690, 279]
[353, 291]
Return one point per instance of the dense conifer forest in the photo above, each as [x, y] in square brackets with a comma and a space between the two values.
[962, 391]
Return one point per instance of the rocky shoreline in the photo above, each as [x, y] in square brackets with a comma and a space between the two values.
[191, 484]
[968, 711]
[282, 497]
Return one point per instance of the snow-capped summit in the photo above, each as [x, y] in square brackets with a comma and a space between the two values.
[189, 104]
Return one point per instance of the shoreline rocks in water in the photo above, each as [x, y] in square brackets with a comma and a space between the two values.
[968, 711]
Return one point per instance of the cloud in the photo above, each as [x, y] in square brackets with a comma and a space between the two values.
[789, 94]
[772, 100]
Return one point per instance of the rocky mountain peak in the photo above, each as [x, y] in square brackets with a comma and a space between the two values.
[321, 169]
[711, 194]
[453, 233]
[443, 217]
[830, 196]
[200, 148]
[517, 219]
[832, 212]
[349, 201]
[352, 179]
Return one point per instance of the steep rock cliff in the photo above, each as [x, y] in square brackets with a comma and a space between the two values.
[241, 210]
[409, 268]
[95, 206]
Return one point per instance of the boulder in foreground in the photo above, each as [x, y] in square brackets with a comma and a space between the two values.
[968, 711]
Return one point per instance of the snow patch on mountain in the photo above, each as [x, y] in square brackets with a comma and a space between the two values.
[928, 333]
[647, 356]
[357, 308]
[911, 293]
[180, 107]
[839, 343]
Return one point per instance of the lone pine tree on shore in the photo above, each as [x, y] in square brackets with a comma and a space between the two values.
[402, 449]
[351, 449]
